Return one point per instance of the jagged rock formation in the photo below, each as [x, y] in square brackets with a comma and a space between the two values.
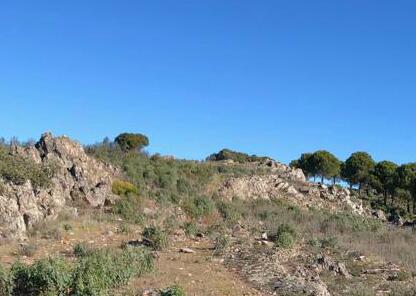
[289, 183]
[77, 179]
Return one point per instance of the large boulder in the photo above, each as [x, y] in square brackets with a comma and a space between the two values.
[78, 179]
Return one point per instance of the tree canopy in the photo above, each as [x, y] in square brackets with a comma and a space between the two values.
[357, 168]
[131, 141]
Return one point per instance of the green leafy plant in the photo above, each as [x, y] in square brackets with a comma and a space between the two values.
[175, 290]
[50, 276]
[81, 250]
[102, 270]
[199, 206]
[285, 236]
[156, 237]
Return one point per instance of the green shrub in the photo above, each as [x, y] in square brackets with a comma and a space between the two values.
[172, 291]
[18, 170]
[199, 206]
[129, 208]
[230, 213]
[227, 154]
[81, 250]
[190, 228]
[156, 237]
[93, 274]
[102, 270]
[44, 277]
[285, 236]
[347, 223]
[327, 242]
[122, 188]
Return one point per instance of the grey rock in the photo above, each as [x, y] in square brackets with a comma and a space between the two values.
[78, 179]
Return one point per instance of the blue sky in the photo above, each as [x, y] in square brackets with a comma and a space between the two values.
[273, 78]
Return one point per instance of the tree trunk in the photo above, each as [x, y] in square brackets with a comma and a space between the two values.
[408, 206]
[334, 180]
[322, 179]
[385, 197]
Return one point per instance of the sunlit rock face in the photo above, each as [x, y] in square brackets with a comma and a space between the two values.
[77, 179]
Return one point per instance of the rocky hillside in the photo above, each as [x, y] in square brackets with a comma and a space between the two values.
[258, 226]
[290, 184]
[76, 179]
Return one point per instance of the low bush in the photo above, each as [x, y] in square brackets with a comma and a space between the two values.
[190, 228]
[175, 290]
[347, 223]
[102, 270]
[156, 237]
[122, 188]
[81, 250]
[93, 274]
[285, 236]
[129, 208]
[18, 170]
[327, 242]
[230, 213]
[199, 206]
[45, 277]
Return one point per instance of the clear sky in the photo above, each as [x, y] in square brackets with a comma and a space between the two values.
[273, 78]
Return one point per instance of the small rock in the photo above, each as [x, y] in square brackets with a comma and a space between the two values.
[187, 251]
[267, 243]
[264, 236]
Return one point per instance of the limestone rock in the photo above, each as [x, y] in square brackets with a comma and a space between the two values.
[78, 179]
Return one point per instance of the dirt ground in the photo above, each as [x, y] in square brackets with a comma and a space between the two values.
[199, 273]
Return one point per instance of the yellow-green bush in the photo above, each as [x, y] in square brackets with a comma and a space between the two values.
[121, 188]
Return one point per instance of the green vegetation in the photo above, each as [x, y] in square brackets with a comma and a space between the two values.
[129, 208]
[199, 206]
[168, 181]
[285, 236]
[175, 290]
[130, 142]
[357, 168]
[120, 187]
[157, 238]
[82, 250]
[95, 274]
[227, 154]
[102, 270]
[18, 170]
[382, 180]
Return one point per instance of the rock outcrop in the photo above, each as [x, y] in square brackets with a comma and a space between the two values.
[77, 179]
[289, 183]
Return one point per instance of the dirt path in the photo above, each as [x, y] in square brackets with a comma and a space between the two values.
[199, 274]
